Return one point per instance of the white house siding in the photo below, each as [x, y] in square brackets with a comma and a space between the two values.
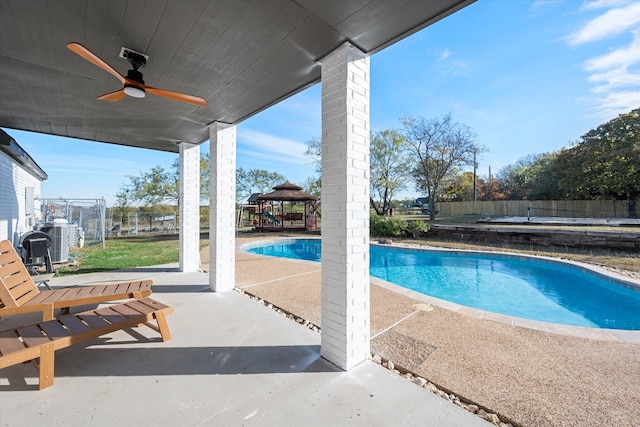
[14, 181]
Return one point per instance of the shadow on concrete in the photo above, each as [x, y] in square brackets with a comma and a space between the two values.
[167, 289]
[98, 361]
[150, 270]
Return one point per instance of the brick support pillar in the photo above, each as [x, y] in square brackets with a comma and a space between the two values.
[222, 203]
[345, 207]
[189, 207]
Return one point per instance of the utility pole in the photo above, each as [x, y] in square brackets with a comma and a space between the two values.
[475, 181]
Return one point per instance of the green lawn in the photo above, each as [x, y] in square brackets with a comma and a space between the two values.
[122, 253]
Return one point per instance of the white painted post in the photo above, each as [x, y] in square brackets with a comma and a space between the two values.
[189, 259]
[345, 207]
[222, 203]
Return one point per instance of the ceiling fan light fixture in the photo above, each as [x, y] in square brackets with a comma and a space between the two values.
[134, 91]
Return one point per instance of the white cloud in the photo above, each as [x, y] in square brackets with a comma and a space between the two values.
[91, 165]
[615, 103]
[610, 72]
[445, 54]
[610, 23]
[271, 147]
[539, 6]
[621, 57]
[602, 4]
[612, 79]
[614, 76]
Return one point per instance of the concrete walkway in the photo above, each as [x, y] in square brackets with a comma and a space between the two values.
[231, 361]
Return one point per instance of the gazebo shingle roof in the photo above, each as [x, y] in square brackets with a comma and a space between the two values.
[287, 192]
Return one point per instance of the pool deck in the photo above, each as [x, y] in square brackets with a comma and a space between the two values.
[529, 373]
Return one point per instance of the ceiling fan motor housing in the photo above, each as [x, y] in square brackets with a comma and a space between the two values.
[135, 75]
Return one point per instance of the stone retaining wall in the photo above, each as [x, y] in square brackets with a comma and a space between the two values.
[541, 237]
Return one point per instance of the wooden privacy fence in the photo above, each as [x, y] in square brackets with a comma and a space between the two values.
[559, 208]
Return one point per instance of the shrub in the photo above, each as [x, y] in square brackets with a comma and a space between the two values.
[385, 226]
[394, 227]
[416, 228]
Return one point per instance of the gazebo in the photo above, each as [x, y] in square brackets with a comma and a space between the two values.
[280, 209]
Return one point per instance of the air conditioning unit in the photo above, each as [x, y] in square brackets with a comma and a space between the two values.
[59, 234]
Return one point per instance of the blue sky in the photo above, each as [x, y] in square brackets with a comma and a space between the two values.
[527, 76]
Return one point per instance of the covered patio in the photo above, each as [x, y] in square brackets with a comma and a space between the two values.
[241, 58]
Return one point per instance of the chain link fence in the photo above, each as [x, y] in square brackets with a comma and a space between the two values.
[79, 222]
[150, 222]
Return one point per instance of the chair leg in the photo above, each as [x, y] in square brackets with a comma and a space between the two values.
[162, 325]
[47, 362]
[48, 262]
[48, 312]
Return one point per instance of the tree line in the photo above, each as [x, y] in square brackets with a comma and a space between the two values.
[603, 164]
[434, 157]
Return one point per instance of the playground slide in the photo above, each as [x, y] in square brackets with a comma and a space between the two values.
[271, 218]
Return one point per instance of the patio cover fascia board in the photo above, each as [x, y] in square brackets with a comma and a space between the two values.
[9, 146]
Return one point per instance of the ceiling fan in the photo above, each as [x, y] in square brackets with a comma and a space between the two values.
[133, 84]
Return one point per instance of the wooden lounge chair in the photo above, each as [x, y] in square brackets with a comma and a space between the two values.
[41, 340]
[19, 293]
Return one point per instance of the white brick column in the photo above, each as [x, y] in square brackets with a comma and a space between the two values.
[222, 203]
[189, 207]
[345, 207]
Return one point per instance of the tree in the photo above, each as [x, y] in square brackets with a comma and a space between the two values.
[160, 186]
[313, 184]
[389, 165]
[439, 146]
[255, 181]
[605, 163]
[460, 188]
[531, 178]
[515, 178]
[205, 175]
[314, 150]
[493, 190]
[544, 183]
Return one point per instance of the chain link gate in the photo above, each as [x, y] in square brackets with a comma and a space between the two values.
[77, 222]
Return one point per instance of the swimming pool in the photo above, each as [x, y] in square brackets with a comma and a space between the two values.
[519, 286]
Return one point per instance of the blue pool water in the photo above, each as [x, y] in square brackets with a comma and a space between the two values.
[515, 286]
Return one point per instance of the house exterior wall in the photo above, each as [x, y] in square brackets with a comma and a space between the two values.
[18, 189]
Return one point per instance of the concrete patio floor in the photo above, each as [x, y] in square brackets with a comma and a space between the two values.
[231, 361]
